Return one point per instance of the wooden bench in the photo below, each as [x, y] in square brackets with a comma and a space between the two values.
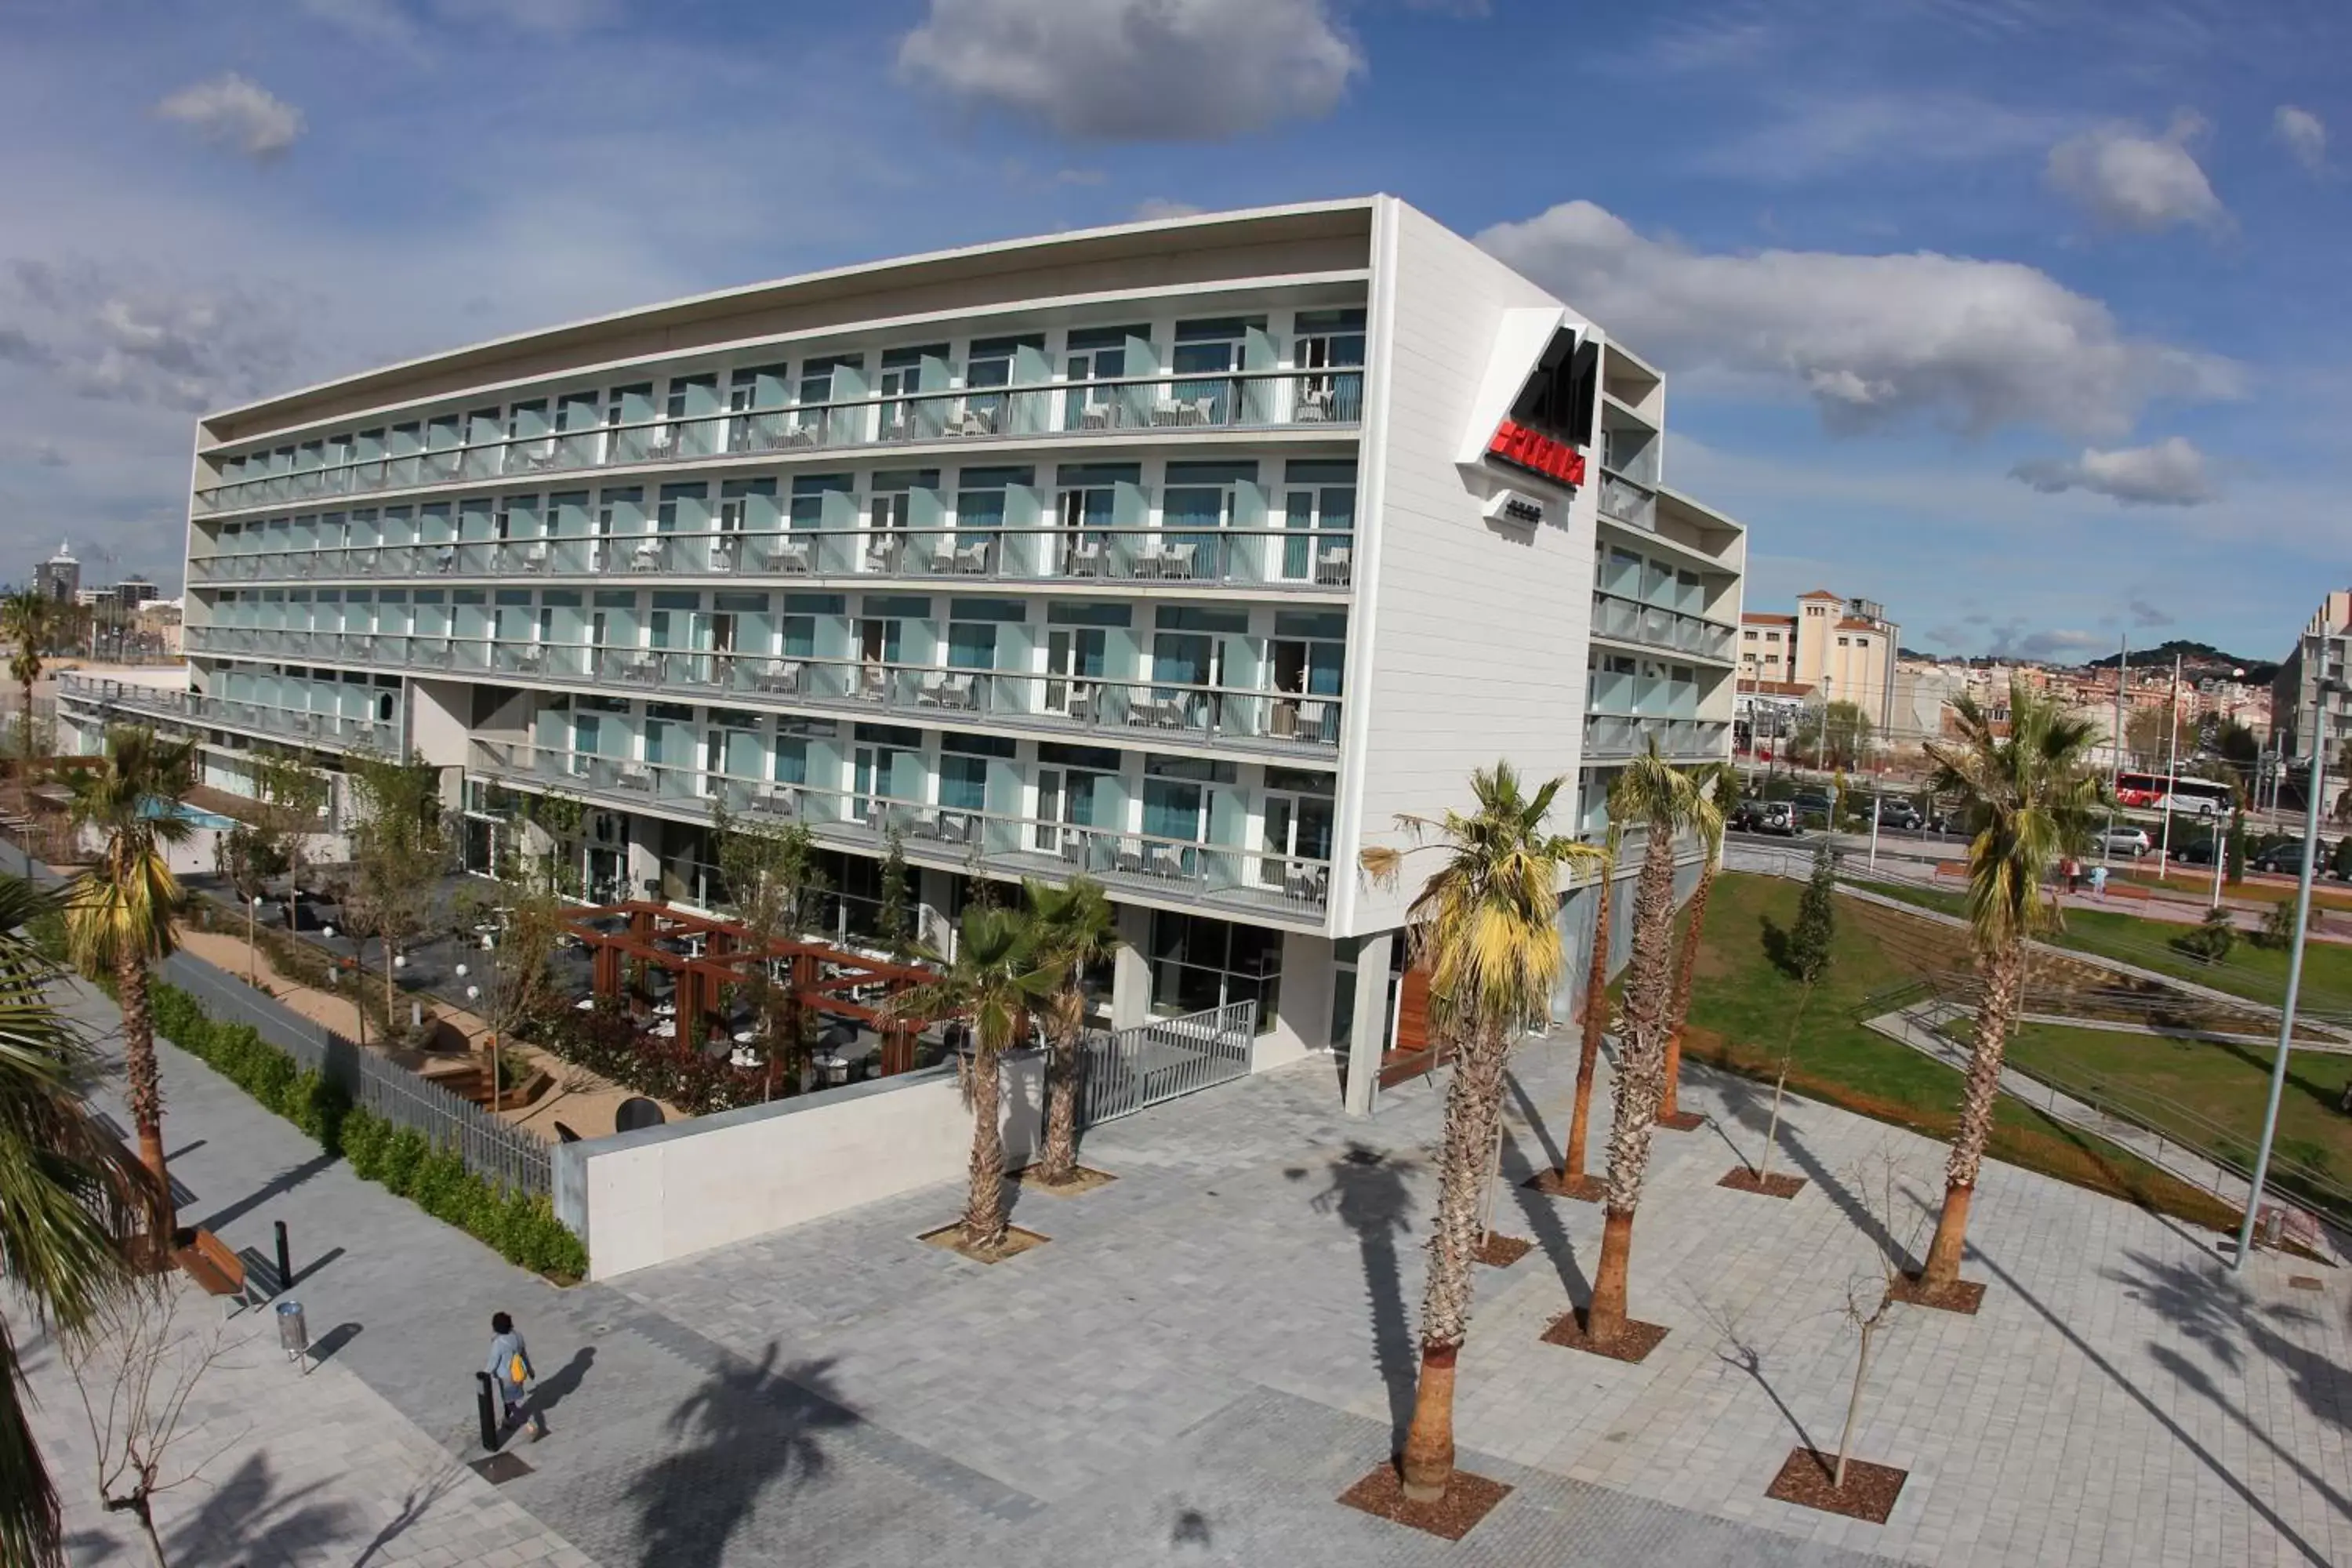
[208, 1261]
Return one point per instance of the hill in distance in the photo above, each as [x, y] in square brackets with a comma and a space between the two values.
[2202, 657]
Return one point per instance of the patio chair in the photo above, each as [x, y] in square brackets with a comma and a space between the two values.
[780, 676]
[1094, 416]
[1166, 412]
[1199, 411]
[661, 448]
[646, 557]
[972, 561]
[790, 558]
[801, 435]
[931, 692]
[637, 776]
[942, 563]
[882, 554]
[957, 691]
[1333, 569]
[972, 421]
[534, 556]
[1314, 408]
[1177, 562]
[1310, 723]
[1085, 559]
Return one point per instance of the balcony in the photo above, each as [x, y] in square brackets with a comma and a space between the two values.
[1131, 709]
[1620, 619]
[197, 709]
[1302, 560]
[1271, 884]
[1623, 501]
[1112, 408]
[1613, 736]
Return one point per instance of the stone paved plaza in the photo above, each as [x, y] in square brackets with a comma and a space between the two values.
[1217, 1343]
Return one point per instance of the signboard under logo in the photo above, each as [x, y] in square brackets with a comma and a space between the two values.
[1538, 453]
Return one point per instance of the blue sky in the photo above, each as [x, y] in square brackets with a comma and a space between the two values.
[2023, 317]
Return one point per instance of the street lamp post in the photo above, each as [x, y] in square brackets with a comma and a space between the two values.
[2294, 959]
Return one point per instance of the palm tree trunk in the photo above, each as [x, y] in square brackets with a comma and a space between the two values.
[2005, 981]
[983, 1209]
[1057, 1161]
[1640, 1080]
[1473, 1106]
[142, 1081]
[1669, 1107]
[1596, 1023]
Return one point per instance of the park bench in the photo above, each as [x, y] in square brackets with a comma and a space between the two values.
[207, 1260]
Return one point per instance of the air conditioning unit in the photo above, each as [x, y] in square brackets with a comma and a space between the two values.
[1515, 507]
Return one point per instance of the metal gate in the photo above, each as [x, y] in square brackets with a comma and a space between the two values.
[1126, 1070]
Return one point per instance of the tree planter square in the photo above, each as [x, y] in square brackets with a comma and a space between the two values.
[1682, 1121]
[1583, 1189]
[1869, 1492]
[1468, 1498]
[1740, 1179]
[1083, 1179]
[1500, 1251]
[1016, 1242]
[1964, 1297]
[1634, 1345]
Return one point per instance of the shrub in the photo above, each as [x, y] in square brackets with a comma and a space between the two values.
[522, 1228]
[2278, 925]
[2211, 941]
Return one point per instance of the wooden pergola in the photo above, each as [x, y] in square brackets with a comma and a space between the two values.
[821, 978]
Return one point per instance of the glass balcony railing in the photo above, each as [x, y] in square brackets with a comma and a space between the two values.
[1133, 707]
[1620, 619]
[1608, 736]
[1244, 400]
[199, 710]
[1624, 501]
[1232, 557]
[1269, 879]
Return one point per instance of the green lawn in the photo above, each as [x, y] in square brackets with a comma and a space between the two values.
[1742, 1004]
[2257, 973]
[2191, 1086]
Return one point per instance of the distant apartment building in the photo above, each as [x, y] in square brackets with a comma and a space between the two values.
[134, 591]
[1833, 649]
[2296, 703]
[1183, 555]
[58, 579]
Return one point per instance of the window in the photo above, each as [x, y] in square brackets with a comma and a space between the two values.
[1747, 637]
[1319, 508]
[1198, 963]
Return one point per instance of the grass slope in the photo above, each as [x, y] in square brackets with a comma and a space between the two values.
[1742, 1004]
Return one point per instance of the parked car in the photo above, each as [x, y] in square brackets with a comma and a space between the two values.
[1896, 812]
[1809, 805]
[2285, 858]
[1953, 824]
[2125, 840]
[1765, 816]
[2198, 852]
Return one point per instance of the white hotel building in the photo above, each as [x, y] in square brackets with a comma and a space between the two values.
[1183, 554]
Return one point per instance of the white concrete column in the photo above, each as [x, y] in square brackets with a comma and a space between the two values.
[1368, 1034]
[1130, 988]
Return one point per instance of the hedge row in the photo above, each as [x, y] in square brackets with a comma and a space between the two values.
[520, 1226]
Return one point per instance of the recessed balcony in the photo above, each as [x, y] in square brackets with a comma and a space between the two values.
[1616, 618]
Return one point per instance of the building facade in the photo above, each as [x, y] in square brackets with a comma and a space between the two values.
[2297, 703]
[1833, 649]
[58, 579]
[1184, 555]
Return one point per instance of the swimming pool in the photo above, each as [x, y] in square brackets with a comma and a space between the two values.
[152, 806]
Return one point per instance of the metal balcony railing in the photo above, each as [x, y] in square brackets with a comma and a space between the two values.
[1629, 620]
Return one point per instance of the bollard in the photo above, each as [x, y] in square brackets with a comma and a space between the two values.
[486, 1402]
[285, 1260]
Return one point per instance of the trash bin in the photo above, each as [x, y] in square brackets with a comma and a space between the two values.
[293, 1333]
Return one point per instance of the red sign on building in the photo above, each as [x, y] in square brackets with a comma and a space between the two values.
[1536, 453]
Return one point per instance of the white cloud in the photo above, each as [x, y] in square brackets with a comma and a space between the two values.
[2170, 473]
[1819, 133]
[2127, 181]
[1874, 340]
[230, 112]
[1174, 70]
[2303, 135]
[1151, 209]
[119, 336]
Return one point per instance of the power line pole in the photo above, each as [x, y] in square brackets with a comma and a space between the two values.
[2171, 768]
[2115, 753]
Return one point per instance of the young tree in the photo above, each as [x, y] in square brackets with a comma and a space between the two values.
[400, 852]
[1834, 735]
[289, 795]
[894, 920]
[246, 860]
[1075, 931]
[136, 1373]
[119, 912]
[2030, 795]
[1485, 924]
[1663, 800]
[775, 888]
[75, 1202]
[1572, 1180]
[1715, 796]
[997, 979]
[1811, 943]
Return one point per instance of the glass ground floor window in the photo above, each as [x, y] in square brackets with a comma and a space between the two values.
[1198, 963]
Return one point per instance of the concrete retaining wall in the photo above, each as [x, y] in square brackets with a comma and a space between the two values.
[648, 1197]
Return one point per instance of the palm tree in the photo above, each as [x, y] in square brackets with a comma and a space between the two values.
[29, 620]
[995, 980]
[1715, 796]
[1487, 924]
[74, 1198]
[1074, 932]
[1663, 799]
[1572, 1181]
[2031, 797]
[119, 912]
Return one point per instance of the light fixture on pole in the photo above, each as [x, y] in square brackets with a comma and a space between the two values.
[2312, 807]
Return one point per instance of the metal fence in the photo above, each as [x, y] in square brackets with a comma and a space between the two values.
[489, 1147]
[1126, 1070]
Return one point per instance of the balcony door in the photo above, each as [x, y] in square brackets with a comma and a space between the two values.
[1296, 836]
[1076, 657]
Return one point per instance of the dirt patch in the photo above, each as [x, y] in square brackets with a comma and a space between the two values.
[1083, 1179]
[1583, 1189]
[1636, 1341]
[1016, 1241]
[1499, 1251]
[1682, 1121]
[1468, 1498]
[1740, 1179]
[1869, 1492]
[1963, 1297]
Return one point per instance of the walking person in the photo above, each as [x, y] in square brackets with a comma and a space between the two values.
[2099, 883]
[510, 1368]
